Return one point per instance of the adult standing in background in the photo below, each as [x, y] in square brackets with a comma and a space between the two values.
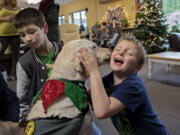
[8, 33]
[51, 12]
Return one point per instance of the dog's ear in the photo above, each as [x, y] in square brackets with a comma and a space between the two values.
[77, 65]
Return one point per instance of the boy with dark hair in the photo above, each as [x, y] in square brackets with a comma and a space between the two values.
[128, 105]
[32, 71]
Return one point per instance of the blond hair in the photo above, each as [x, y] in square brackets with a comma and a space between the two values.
[140, 48]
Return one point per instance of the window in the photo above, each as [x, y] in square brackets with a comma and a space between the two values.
[61, 19]
[171, 9]
[173, 18]
[76, 18]
[83, 18]
[170, 5]
[79, 18]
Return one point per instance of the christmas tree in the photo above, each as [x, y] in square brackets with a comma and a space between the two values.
[117, 17]
[150, 27]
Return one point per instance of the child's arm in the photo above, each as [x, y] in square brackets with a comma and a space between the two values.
[23, 87]
[103, 105]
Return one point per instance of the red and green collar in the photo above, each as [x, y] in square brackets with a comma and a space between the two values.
[52, 89]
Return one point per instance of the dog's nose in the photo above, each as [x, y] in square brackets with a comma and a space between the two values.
[109, 51]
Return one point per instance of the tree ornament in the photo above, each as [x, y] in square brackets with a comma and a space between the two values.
[149, 35]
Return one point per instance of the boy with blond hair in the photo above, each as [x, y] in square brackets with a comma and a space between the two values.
[121, 94]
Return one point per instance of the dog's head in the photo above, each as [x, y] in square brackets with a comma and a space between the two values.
[67, 64]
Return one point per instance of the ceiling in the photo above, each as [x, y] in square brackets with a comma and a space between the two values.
[35, 3]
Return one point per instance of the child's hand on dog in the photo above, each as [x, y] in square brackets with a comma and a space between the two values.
[88, 60]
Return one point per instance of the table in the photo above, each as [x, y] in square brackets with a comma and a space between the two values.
[168, 58]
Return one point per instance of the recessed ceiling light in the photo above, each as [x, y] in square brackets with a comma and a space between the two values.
[33, 1]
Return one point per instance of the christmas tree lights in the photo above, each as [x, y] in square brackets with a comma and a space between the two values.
[150, 27]
[117, 16]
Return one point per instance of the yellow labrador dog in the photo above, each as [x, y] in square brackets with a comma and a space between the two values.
[64, 115]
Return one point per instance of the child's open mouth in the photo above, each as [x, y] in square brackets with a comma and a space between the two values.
[118, 61]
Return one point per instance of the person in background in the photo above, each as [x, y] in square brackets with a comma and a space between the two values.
[81, 28]
[32, 70]
[106, 35]
[83, 33]
[121, 95]
[51, 13]
[9, 34]
[94, 28]
[103, 24]
[9, 103]
[96, 33]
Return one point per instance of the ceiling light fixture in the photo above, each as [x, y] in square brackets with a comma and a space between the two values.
[33, 1]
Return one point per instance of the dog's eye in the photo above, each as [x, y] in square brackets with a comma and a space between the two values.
[94, 47]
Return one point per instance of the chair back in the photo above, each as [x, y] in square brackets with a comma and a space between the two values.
[174, 41]
[69, 32]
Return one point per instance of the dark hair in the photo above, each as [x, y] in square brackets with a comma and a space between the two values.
[29, 16]
[140, 47]
[103, 23]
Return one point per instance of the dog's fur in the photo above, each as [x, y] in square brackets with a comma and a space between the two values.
[68, 66]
